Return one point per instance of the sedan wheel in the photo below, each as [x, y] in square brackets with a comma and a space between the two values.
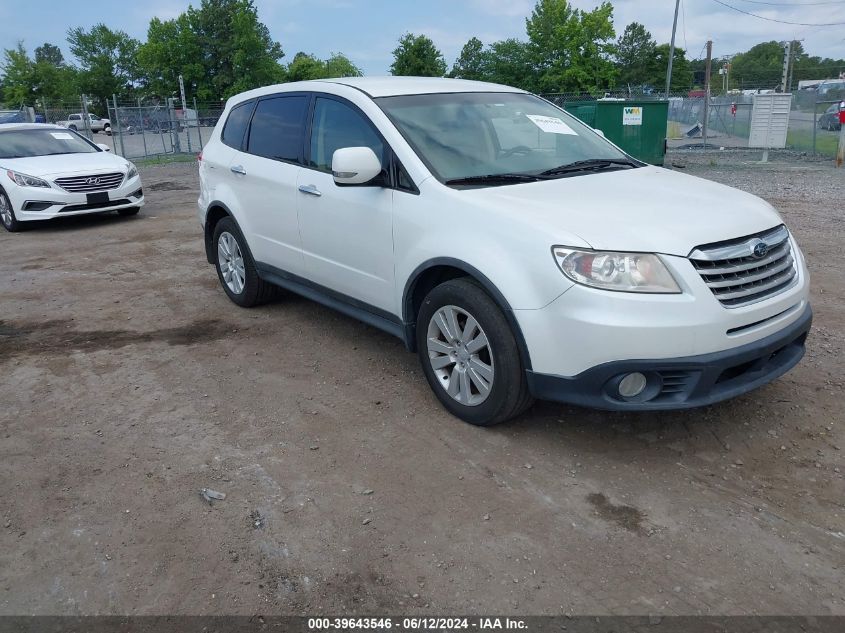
[7, 215]
[460, 355]
[231, 262]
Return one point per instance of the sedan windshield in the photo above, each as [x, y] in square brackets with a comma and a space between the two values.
[497, 138]
[26, 143]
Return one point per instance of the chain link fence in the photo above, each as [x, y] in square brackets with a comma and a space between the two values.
[813, 124]
[142, 130]
[136, 129]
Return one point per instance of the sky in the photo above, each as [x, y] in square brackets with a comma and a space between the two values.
[367, 30]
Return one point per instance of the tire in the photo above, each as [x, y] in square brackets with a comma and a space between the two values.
[7, 214]
[487, 354]
[241, 283]
[128, 211]
[107, 130]
[72, 127]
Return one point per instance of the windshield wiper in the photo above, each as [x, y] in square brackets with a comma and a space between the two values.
[491, 179]
[591, 164]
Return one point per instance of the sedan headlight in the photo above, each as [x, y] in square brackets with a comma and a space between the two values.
[624, 272]
[133, 171]
[22, 180]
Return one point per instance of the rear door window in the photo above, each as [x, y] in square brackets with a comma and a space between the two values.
[277, 128]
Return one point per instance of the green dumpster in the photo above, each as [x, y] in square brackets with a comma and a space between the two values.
[637, 126]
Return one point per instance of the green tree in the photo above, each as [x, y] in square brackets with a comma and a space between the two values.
[305, 66]
[572, 49]
[759, 67]
[417, 56]
[220, 49]
[107, 59]
[32, 82]
[18, 76]
[471, 62]
[682, 76]
[509, 62]
[49, 54]
[339, 65]
[172, 48]
[634, 52]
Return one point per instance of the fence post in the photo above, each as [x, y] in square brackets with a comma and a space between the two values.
[840, 151]
[119, 126]
[143, 131]
[199, 127]
[86, 121]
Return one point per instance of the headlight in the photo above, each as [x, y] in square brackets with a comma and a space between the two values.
[133, 171]
[625, 272]
[22, 180]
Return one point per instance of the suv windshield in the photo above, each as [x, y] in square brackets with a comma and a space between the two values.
[484, 134]
[25, 143]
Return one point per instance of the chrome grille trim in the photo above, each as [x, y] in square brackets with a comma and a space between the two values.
[736, 277]
[81, 184]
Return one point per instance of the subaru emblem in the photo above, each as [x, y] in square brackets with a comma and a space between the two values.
[760, 249]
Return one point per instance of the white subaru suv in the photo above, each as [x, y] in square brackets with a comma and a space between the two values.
[517, 251]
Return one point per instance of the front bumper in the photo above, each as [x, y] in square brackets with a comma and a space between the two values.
[37, 203]
[682, 383]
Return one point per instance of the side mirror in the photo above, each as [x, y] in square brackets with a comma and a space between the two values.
[599, 132]
[355, 165]
[104, 147]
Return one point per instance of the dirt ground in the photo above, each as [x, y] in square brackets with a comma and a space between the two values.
[130, 382]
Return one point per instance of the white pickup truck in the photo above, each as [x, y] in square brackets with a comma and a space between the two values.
[76, 122]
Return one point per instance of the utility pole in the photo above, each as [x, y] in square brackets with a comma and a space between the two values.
[793, 46]
[672, 49]
[787, 52]
[707, 90]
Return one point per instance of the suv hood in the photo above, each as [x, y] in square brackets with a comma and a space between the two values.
[65, 164]
[648, 209]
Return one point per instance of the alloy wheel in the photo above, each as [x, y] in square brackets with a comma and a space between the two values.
[231, 262]
[460, 355]
[5, 211]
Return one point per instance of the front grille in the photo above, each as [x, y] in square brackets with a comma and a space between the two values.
[737, 277]
[91, 182]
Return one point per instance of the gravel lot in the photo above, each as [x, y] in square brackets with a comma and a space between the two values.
[129, 382]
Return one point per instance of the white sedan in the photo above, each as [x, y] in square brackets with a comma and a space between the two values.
[47, 171]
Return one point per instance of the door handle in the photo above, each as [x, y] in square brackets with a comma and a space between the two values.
[310, 190]
[238, 169]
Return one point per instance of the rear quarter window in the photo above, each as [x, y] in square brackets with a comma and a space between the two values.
[235, 128]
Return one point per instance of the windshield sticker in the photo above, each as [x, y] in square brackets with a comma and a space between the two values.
[62, 136]
[551, 124]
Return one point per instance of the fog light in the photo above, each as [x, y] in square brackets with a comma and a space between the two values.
[632, 385]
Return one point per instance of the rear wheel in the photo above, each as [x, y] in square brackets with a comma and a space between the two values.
[469, 354]
[7, 214]
[236, 268]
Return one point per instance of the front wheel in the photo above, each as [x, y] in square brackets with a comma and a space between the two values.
[7, 214]
[469, 354]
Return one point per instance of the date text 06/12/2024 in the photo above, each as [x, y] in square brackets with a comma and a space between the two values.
[416, 624]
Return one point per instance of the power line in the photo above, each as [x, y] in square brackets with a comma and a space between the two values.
[761, 17]
[794, 4]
